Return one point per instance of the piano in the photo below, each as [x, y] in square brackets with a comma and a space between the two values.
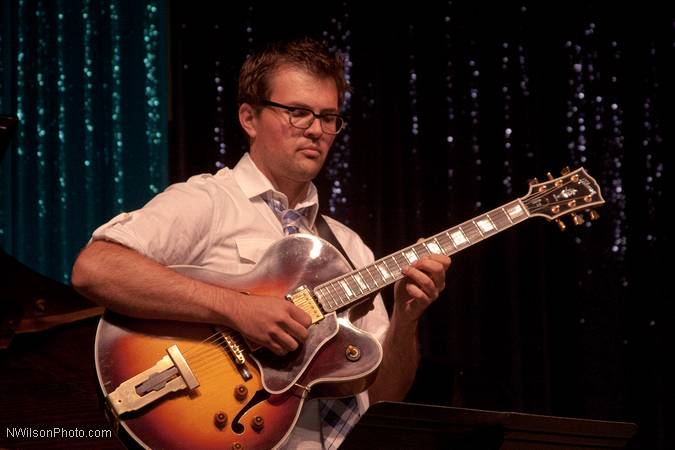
[47, 376]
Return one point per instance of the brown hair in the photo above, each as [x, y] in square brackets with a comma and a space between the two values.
[305, 53]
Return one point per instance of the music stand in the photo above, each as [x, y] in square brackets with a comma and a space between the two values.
[407, 425]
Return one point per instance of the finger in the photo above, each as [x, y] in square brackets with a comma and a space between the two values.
[296, 331]
[422, 279]
[300, 316]
[285, 341]
[418, 294]
[431, 265]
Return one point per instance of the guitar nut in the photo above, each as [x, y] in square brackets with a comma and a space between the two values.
[352, 353]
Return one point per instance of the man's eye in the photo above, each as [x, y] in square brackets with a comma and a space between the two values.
[330, 118]
[301, 113]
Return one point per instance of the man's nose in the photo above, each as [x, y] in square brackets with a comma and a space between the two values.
[314, 129]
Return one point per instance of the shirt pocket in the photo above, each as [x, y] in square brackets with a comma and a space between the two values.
[250, 250]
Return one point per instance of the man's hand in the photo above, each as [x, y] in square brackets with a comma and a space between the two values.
[423, 282]
[274, 323]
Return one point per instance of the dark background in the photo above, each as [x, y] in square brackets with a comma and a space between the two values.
[533, 320]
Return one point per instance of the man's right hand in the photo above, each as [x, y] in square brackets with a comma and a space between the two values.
[271, 322]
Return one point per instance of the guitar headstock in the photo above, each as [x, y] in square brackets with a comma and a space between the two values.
[570, 193]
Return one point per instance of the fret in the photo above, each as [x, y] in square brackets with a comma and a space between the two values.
[507, 215]
[333, 301]
[514, 211]
[472, 232]
[458, 237]
[342, 297]
[434, 247]
[328, 297]
[383, 270]
[367, 278]
[338, 296]
[398, 266]
[494, 225]
[410, 256]
[478, 228]
[362, 284]
[486, 225]
[371, 276]
[345, 287]
[421, 250]
[450, 239]
[354, 284]
[401, 263]
[437, 246]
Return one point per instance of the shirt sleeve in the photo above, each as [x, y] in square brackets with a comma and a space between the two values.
[172, 228]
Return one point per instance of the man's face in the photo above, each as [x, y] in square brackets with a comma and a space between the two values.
[285, 154]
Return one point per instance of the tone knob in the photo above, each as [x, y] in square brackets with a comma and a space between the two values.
[220, 420]
[241, 392]
[258, 423]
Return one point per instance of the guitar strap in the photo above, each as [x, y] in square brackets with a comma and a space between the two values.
[327, 234]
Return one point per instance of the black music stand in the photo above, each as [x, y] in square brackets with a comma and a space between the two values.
[407, 425]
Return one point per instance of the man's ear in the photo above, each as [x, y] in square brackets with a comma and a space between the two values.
[247, 116]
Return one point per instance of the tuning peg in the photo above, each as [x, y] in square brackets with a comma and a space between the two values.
[533, 181]
[593, 214]
[565, 170]
[578, 219]
[549, 176]
[561, 224]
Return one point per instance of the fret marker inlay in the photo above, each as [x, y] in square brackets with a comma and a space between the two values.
[346, 288]
[383, 270]
[485, 225]
[515, 211]
[458, 238]
[410, 256]
[362, 284]
[433, 248]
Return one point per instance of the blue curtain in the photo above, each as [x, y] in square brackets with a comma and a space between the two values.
[88, 82]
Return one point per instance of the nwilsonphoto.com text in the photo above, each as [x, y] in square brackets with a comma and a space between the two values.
[55, 433]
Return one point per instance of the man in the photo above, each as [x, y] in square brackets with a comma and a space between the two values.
[289, 97]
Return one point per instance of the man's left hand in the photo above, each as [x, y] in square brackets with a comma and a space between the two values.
[424, 280]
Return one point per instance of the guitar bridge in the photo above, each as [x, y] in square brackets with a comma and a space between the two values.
[303, 299]
[170, 374]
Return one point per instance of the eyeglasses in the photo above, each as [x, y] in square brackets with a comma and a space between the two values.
[304, 118]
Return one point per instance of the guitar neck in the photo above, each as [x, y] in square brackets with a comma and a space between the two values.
[340, 292]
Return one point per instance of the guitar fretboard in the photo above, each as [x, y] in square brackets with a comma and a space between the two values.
[358, 284]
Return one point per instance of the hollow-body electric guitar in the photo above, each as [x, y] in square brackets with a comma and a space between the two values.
[183, 385]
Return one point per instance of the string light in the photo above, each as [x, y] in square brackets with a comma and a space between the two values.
[338, 170]
[153, 128]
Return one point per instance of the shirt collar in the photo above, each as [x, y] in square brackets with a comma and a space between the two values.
[255, 184]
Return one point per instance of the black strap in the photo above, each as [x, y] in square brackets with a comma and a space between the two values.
[327, 234]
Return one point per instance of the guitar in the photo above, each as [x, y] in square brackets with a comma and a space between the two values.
[171, 384]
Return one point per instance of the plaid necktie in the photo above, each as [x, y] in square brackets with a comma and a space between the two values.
[338, 416]
[293, 221]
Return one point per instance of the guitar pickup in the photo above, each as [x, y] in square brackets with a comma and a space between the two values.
[303, 299]
[170, 374]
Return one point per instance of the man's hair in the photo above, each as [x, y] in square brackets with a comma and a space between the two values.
[306, 54]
